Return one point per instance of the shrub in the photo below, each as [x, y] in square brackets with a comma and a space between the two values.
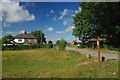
[22, 46]
[61, 44]
[81, 45]
[104, 46]
[111, 47]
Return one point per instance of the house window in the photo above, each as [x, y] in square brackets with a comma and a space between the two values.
[19, 40]
[29, 40]
[35, 40]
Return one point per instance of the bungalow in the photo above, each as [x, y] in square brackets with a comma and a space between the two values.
[25, 38]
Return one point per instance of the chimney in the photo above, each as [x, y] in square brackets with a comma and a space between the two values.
[24, 32]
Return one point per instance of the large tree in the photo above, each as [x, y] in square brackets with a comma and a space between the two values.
[98, 19]
[7, 39]
[40, 36]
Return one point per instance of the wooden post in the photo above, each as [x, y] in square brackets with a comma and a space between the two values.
[98, 43]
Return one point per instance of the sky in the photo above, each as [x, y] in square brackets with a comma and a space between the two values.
[53, 18]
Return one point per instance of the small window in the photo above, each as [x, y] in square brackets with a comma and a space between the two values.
[35, 40]
[29, 40]
[19, 39]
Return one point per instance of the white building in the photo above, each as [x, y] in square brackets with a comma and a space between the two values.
[25, 38]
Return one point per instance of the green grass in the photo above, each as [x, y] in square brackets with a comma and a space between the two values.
[51, 63]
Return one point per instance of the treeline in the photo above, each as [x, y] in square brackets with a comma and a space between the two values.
[103, 45]
[60, 45]
[24, 47]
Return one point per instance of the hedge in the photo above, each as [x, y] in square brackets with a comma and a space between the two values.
[22, 47]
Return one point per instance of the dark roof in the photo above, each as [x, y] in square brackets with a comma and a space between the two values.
[25, 36]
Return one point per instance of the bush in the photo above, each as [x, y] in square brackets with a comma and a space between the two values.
[81, 45]
[49, 46]
[104, 46]
[61, 44]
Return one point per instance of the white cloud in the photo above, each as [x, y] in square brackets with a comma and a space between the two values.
[79, 10]
[50, 29]
[5, 24]
[14, 33]
[65, 23]
[64, 13]
[72, 15]
[22, 31]
[76, 11]
[12, 13]
[10, 32]
[52, 11]
[6, 0]
[66, 17]
[68, 29]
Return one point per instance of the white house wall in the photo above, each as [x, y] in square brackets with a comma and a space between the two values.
[17, 40]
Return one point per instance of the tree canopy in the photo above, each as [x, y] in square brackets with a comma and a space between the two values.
[7, 39]
[98, 19]
[61, 44]
[50, 44]
[40, 35]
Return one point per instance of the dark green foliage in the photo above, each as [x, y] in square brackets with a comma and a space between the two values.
[61, 44]
[50, 44]
[98, 19]
[22, 47]
[7, 39]
[38, 34]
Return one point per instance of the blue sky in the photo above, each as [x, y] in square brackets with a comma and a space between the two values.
[54, 18]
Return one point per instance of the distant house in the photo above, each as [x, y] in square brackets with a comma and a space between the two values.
[74, 42]
[25, 38]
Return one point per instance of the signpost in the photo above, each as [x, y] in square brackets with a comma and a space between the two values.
[98, 41]
[98, 44]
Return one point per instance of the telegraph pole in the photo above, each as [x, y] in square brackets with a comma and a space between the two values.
[41, 36]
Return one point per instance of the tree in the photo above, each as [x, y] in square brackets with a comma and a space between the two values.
[98, 19]
[7, 39]
[61, 44]
[57, 42]
[50, 44]
[40, 36]
[0, 41]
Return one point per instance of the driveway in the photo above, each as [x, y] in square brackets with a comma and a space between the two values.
[92, 53]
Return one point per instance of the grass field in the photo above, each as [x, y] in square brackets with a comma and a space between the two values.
[51, 63]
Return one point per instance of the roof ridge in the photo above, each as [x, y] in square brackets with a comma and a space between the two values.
[25, 36]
